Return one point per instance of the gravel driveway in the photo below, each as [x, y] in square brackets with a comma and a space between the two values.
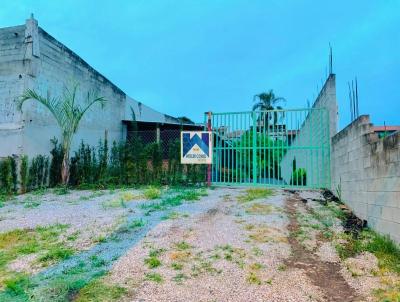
[223, 247]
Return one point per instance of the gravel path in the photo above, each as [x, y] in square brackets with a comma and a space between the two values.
[230, 255]
[219, 248]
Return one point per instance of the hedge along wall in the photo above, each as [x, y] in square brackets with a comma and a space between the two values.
[129, 163]
[366, 173]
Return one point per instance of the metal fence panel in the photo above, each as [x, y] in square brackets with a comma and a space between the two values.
[285, 148]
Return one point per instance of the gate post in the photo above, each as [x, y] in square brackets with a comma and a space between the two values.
[254, 148]
[209, 165]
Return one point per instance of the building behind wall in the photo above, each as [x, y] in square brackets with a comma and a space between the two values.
[30, 58]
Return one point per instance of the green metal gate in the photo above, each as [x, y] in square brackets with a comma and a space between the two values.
[284, 148]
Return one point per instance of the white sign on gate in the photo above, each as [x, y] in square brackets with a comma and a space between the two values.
[196, 147]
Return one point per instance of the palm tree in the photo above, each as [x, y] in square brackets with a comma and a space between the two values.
[68, 114]
[266, 101]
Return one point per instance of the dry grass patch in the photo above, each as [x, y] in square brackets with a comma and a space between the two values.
[255, 193]
[263, 234]
[260, 209]
[180, 255]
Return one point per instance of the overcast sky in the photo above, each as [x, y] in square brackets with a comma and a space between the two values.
[188, 57]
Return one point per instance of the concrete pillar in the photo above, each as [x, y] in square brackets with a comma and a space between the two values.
[158, 133]
[32, 53]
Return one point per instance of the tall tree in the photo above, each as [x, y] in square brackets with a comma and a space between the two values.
[267, 101]
[68, 113]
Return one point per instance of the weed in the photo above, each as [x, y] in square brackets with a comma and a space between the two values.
[253, 278]
[137, 223]
[255, 193]
[152, 262]
[152, 193]
[98, 291]
[257, 251]
[63, 190]
[73, 236]
[180, 277]
[174, 215]
[16, 243]
[155, 277]
[177, 266]
[128, 196]
[30, 203]
[171, 201]
[114, 203]
[100, 239]
[15, 286]
[204, 267]
[385, 249]
[156, 252]
[281, 267]
[39, 191]
[256, 266]
[181, 246]
[97, 262]
[56, 253]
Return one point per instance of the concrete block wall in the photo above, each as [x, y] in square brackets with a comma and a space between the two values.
[366, 169]
[318, 127]
[12, 82]
[31, 58]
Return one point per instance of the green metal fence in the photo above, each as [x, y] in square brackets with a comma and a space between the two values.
[284, 148]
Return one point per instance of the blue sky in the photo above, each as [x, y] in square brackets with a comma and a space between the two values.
[188, 57]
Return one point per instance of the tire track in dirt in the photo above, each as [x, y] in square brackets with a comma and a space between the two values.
[325, 275]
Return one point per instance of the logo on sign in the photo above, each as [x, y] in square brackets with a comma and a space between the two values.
[196, 147]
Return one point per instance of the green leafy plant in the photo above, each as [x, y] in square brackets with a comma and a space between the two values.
[6, 177]
[299, 177]
[23, 173]
[68, 113]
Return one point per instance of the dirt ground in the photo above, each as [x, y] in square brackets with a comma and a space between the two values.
[241, 251]
[229, 245]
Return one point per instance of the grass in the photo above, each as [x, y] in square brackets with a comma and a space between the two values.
[20, 242]
[155, 277]
[152, 261]
[97, 262]
[181, 246]
[30, 202]
[174, 215]
[136, 224]
[255, 193]
[385, 249]
[128, 196]
[114, 203]
[177, 266]
[16, 285]
[260, 209]
[180, 277]
[173, 200]
[99, 291]
[63, 190]
[56, 253]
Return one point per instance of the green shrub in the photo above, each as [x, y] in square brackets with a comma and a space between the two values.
[38, 172]
[56, 162]
[6, 177]
[23, 173]
[299, 177]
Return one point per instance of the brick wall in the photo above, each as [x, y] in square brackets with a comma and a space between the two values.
[367, 169]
